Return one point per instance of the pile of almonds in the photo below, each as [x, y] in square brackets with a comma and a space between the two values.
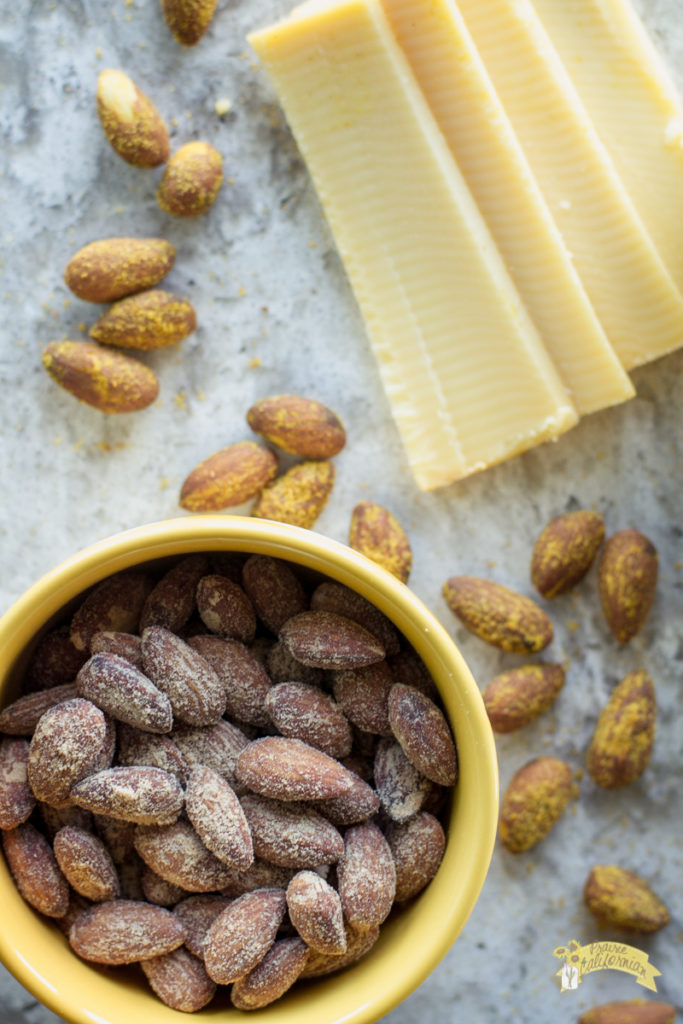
[622, 742]
[225, 772]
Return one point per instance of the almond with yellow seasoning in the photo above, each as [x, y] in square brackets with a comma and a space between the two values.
[378, 535]
[631, 1011]
[149, 320]
[518, 696]
[621, 746]
[130, 120]
[298, 425]
[565, 551]
[110, 381]
[534, 802]
[623, 899]
[188, 20]
[628, 579]
[498, 615]
[112, 268]
[229, 477]
[191, 180]
[298, 496]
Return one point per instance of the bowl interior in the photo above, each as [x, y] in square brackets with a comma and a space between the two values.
[416, 938]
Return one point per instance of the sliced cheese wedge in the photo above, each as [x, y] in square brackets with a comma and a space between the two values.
[634, 106]
[629, 287]
[449, 70]
[468, 378]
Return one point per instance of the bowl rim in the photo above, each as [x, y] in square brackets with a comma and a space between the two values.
[458, 690]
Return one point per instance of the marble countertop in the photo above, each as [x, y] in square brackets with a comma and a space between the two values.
[276, 314]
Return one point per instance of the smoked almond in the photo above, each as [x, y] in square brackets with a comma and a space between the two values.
[179, 979]
[621, 746]
[124, 692]
[287, 769]
[114, 604]
[112, 268]
[54, 662]
[242, 935]
[627, 575]
[378, 535]
[401, 788]
[144, 748]
[498, 615]
[124, 645]
[172, 600]
[291, 835]
[424, 734]
[272, 976]
[124, 932]
[86, 864]
[198, 914]
[216, 747]
[218, 818]
[35, 870]
[22, 716]
[177, 854]
[106, 379]
[243, 677]
[68, 744]
[363, 695]
[315, 910]
[306, 713]
[138, 793]
[359, 941]
[302, 426]
[16, 797]
[146, 321]
[274, 589]
[367, 877]
[565, 551]
[229, 477]
[417, 846]
[224, 608]
[195, 692]
[329, 641]
[130, 120]
[331, 596]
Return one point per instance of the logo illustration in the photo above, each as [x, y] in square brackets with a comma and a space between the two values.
[603, 956]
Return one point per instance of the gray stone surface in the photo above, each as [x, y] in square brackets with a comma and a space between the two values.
[276, 314]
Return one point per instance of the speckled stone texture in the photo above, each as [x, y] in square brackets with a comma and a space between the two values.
[276, 314]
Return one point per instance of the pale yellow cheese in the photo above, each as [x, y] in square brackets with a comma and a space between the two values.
[626, 280]
[468, 111]
[634, 106]
[467, 376]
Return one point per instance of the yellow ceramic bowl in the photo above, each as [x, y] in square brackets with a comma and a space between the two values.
[413, 943]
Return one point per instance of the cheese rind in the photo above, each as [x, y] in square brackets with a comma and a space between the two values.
[630, 288]
[449, 70]
[634, 106]
[467, 376]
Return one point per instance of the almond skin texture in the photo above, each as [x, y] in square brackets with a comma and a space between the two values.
[627, 575]
[534, 801]
[122, 691]
[359, 941]
[355, 805]
[124, 645]
[335, 597]
[245, 680]
[108, 380]
[329, 641]
[22, 716]
[218, 818]
[499, 616]
[114, 604]
[423, 732]
[306, 713]
[112, 268]
[518, 696]
[622, 899]
[191, 180]
[298, 425]
[179, 980]
[291, 835]
[401, 788]
[229, 477]
[193, 688]
[315, 910]
[130, 120]
[272, 977]
[225, 608]
[633, 1011]
[54, 662]
[298, 496]
[124, 932]
[35, 870]
[239, 939]
[68, 744]
[274, 590]
[146, 321]
[188, 20]
[178, 855]
[158, 891]
[417, 847]
[565, 551]
[621, 746]
[143, 748]
[198, 914]
[367, 877]
[147, 796]
[261, 875]
[86, 864]
[16, 797]
[172, 600]
[217, 747]
[363, 695]
[287, 769]
[378, 535]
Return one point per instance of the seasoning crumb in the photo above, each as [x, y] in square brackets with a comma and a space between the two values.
[254, 363]
[223, 106]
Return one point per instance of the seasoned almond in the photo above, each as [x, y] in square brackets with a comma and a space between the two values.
[188, 20]
[115, 267]
[518, 696]
[158, 891]
[633, 1011]
[275, 591]
[124, 932]
[218, 818]
[243, 934]
[622, 899]
[104, 378]
[408, 667]
[363, 695]
[179, 980]
[423, 732]
[535, 800]
[298, 496]
[191, 180]
[56, 818]
[147, 796]
[16, 797]
[417, 847]
[68, 744]
[130, 120]
[283, 668]
[229, 477]
[378, 535]
[117, 835]
[146, 321]
[243, 677]
[114, 604]
[565, 551]
[217, 747]
[329, 641]
[306, 713]
[359, 941]
[21, 717]
[367, 877]
[621, 746]
[291, 835]
[86, 864]
[225, 608]
[177, 854]
[198, 914]
[172, 601]
[124, 692]
[355, 805]
[54, 662]
[627, 575]
[287, 769]
[77, 906]
[330, 596]
[124, 645]
[196, 693]
[35, 870]
[315, 910]
[298, 425]
[144, 748]
[272, 976]
[498, 615]
[401, 788]
[261, 875]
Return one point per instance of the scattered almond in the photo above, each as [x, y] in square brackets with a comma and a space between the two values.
[298, 425]
[229, 477]
[621, 746]
[112, 268]
[633, 1011]
[188, 20]
[146, 321]
[378, 535]
[623, 899]
[108, 380]
[241, 936]
[498, 615]
[534, 801]
[298, 496]
[518, 696]
[191, 180]
[124, 932]
[86, 864]
[565, 551]
[130, 120]
[272, 977]
[35, 870]
[627, 574]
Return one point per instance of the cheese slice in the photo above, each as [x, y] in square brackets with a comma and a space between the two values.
[468, 378]
[468, 111]
[626, 280]
[634, 106]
